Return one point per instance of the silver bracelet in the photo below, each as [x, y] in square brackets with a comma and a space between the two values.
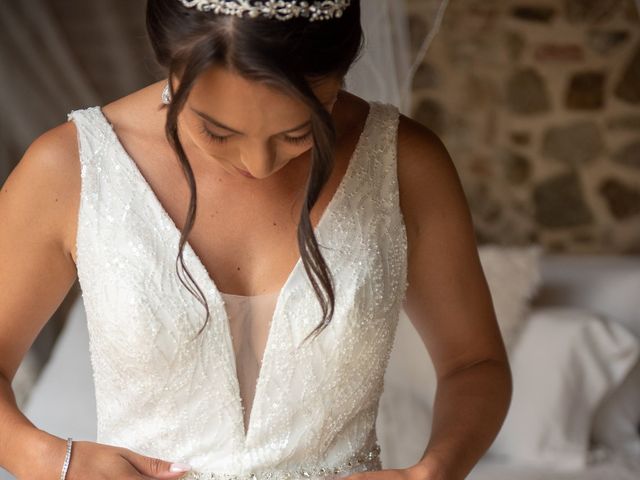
[67, 458]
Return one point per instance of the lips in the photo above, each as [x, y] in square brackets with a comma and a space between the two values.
[244, 172]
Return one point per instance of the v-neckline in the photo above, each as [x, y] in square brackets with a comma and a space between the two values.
[212, 291]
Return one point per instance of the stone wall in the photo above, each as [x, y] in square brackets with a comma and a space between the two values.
[538, 103]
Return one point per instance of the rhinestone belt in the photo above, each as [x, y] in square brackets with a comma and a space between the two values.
[300, 473]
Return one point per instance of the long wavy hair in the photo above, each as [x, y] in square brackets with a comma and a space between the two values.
[291, 56]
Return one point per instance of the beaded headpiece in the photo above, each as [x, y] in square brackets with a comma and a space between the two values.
[279, 9]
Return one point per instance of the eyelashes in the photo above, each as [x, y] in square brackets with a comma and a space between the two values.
[298, 140]
[223, 139]
[212, 137]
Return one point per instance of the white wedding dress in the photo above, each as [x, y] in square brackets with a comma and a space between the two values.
[245, 399]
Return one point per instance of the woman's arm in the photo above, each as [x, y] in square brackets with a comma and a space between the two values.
[449, 303]
[36, 272]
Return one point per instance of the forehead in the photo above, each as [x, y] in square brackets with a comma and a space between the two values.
[218, 78]
[236, 100]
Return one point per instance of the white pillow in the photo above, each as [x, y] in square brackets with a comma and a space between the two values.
[513, 275]
[403, 425]
[616, 421]
[404, 416]
[566, 362]
[607, 285]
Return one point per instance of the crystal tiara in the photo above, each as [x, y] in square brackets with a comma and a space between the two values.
[279, 9]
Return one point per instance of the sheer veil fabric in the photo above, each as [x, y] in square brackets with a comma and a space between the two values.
[387, 42]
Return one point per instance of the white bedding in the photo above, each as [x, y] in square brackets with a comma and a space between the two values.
[605, 285]
[614, 467]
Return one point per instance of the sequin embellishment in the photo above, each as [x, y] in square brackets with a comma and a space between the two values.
[369, 460]
[161, 394]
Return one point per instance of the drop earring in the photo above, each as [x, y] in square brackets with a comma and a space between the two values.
[166, 95]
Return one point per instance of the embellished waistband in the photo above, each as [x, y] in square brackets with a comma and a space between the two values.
[359, 462]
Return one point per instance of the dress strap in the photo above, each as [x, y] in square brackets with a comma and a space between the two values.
[382, 165]
[92, 134]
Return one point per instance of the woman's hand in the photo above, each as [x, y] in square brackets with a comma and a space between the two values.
[420, 471]
[95, 461]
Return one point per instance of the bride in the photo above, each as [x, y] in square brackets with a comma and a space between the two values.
[245, 234]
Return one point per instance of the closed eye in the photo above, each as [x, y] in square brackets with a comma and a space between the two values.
[213, 136]
[297, 140]
[224, 139]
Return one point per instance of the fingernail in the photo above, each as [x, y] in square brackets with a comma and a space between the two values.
[179, 467]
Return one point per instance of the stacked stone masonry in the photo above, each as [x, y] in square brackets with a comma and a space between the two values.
[538, 102]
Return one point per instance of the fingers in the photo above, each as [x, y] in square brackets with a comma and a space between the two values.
[155, 468]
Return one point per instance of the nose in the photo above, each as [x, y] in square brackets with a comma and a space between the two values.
[259, 160]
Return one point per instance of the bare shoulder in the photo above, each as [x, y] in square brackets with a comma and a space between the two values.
[427, 177]
[44, 186]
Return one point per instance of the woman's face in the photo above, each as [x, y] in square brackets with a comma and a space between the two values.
[245, 125]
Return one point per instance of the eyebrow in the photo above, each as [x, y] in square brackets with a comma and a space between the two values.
[222, 125]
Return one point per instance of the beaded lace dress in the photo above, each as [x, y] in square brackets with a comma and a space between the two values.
[247, 398]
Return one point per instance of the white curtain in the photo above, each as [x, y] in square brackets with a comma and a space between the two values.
[39, 75]
[385, 69]
[386, 31]
[57, 55]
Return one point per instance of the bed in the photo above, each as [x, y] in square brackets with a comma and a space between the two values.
[580, 320]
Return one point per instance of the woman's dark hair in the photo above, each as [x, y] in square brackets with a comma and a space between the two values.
[289, 55]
